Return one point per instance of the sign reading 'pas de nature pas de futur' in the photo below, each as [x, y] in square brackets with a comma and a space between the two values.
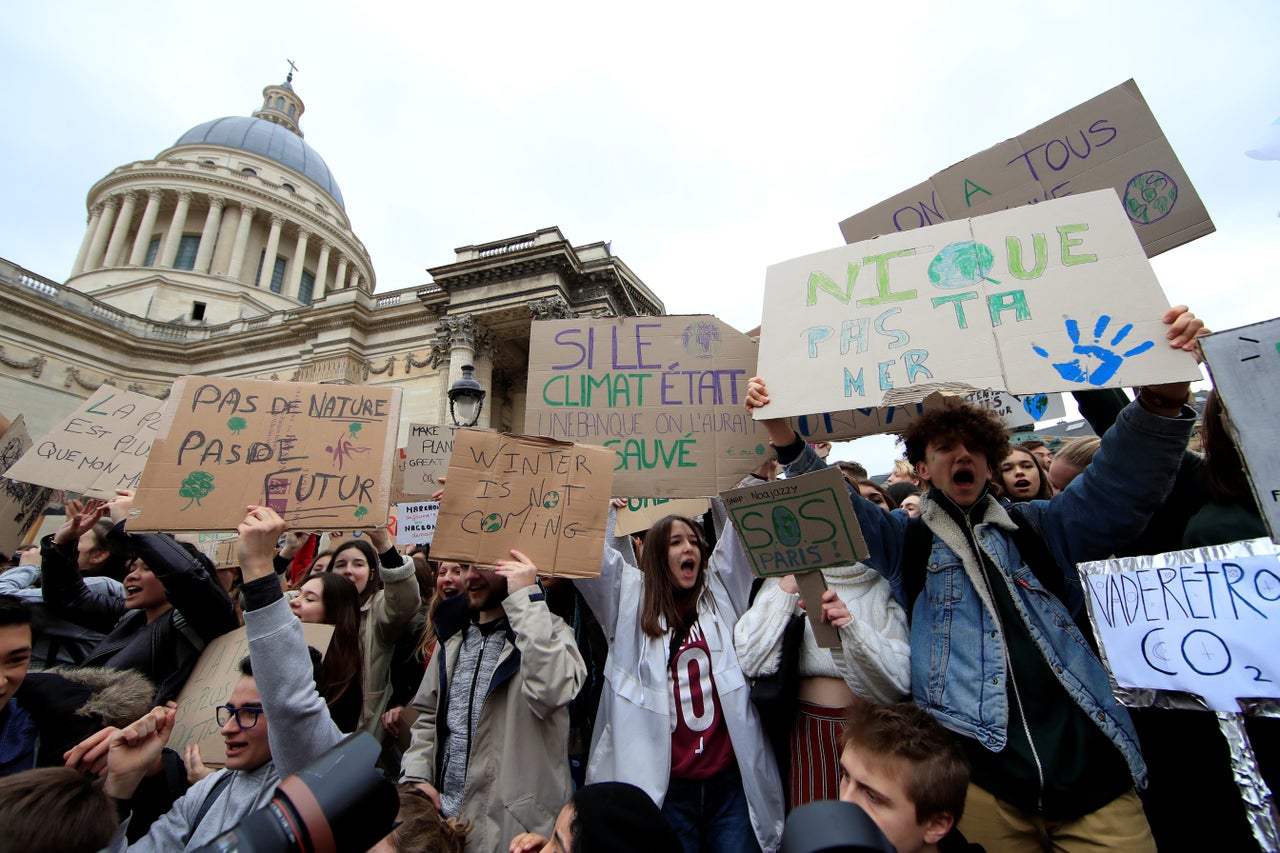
[320, 455]
[1057, 296]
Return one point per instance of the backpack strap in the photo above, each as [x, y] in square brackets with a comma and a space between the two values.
[223, 781]
[916, 547]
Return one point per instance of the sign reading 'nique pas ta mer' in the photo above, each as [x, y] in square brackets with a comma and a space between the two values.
[320, 455]
[1053, 297]
[665, 394]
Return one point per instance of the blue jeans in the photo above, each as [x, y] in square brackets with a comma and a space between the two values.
[711, 816]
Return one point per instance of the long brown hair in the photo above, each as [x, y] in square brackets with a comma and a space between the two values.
[1224, 476]
[660, 613]
[370, 553]
[342, 611]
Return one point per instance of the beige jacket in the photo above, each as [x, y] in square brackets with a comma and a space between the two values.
[518, 771]
[382, 620]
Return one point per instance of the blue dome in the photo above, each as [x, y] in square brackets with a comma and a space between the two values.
[266, 139]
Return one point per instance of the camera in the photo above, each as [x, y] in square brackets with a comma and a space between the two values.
[338, 802]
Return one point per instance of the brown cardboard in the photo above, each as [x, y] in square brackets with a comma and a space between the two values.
[427, 455]
[220, 547]
[548, 499]
[21, 503]
[641, 513]
[210, 685]
[397, 477]
[100, 447]
[1108, 142]
[320, 455]
[1056, 296]
[665, 393]
[796, 525]
[812, 586]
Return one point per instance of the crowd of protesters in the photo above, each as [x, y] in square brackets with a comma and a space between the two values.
[672, 703]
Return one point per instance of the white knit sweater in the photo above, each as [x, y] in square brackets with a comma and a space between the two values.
[875, 658]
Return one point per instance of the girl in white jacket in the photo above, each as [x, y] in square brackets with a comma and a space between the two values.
[676, 717]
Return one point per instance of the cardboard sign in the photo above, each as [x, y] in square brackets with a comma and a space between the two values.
[21, 503]
[397, 477]
[641, 513]
[548, 499]
[210, 685]
[416, 522]
[220, 547]
[797, 525]
[1013, 410]
[1245, 366]
[320, 455]
[1202, 621]
[664, 393]
[427, 457]
[1109, 142]
[1053, 297]
[102, 446]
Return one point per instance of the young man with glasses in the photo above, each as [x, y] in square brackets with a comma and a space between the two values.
[273, 724]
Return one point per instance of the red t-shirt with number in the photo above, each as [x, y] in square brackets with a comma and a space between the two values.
[700, 746]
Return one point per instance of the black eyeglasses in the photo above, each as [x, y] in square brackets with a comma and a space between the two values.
[226, 712]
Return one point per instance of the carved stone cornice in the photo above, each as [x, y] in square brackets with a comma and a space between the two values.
[35, 364]
[430, 361]
[551, 308]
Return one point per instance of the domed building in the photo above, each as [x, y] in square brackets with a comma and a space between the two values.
[231, 254]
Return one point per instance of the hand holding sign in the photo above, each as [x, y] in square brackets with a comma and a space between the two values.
[519, 572]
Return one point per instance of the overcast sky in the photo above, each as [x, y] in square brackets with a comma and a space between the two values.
[705, 140]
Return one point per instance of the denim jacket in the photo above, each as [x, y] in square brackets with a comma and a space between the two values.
[957, 647]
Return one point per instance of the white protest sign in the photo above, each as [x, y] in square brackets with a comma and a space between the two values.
[426, 459]
[1205, 622]
[1057, 296]
[100, 447]
[1015, 411]
[416, 522]
[1245, 366]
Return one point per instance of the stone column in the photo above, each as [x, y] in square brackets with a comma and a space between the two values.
[322, 272]
[269, 257]
[145, 227]
[170, 249]
[340, 278]
[295, 269]
[94, 259]
[355, 277]
[209, 236]
[121, 231]
[89, 231]
[242, 240]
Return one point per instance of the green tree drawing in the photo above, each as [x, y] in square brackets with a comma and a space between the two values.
[236, 425]
[197, 485]
[361, 512]
[353, 429]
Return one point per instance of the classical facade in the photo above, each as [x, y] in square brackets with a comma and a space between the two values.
[231, 254]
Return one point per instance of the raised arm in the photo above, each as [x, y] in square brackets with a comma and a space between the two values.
[395, 608]
[602, 593]
[65, 592]
[301, 728]
[551, 667]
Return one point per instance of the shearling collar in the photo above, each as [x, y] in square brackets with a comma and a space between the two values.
[945, 519]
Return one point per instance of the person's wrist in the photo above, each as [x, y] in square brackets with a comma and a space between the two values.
[1159, 403]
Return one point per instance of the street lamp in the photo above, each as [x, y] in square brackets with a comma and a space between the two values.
[466, 399]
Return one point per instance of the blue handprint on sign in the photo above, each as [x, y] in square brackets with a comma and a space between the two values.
[1095, 363]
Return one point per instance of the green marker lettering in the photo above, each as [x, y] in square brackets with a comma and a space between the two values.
[1068, 259]
[1039, 245]
[882, 279]
[969, 189]
[1013, 300]
[957, 300]
[819, 280]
